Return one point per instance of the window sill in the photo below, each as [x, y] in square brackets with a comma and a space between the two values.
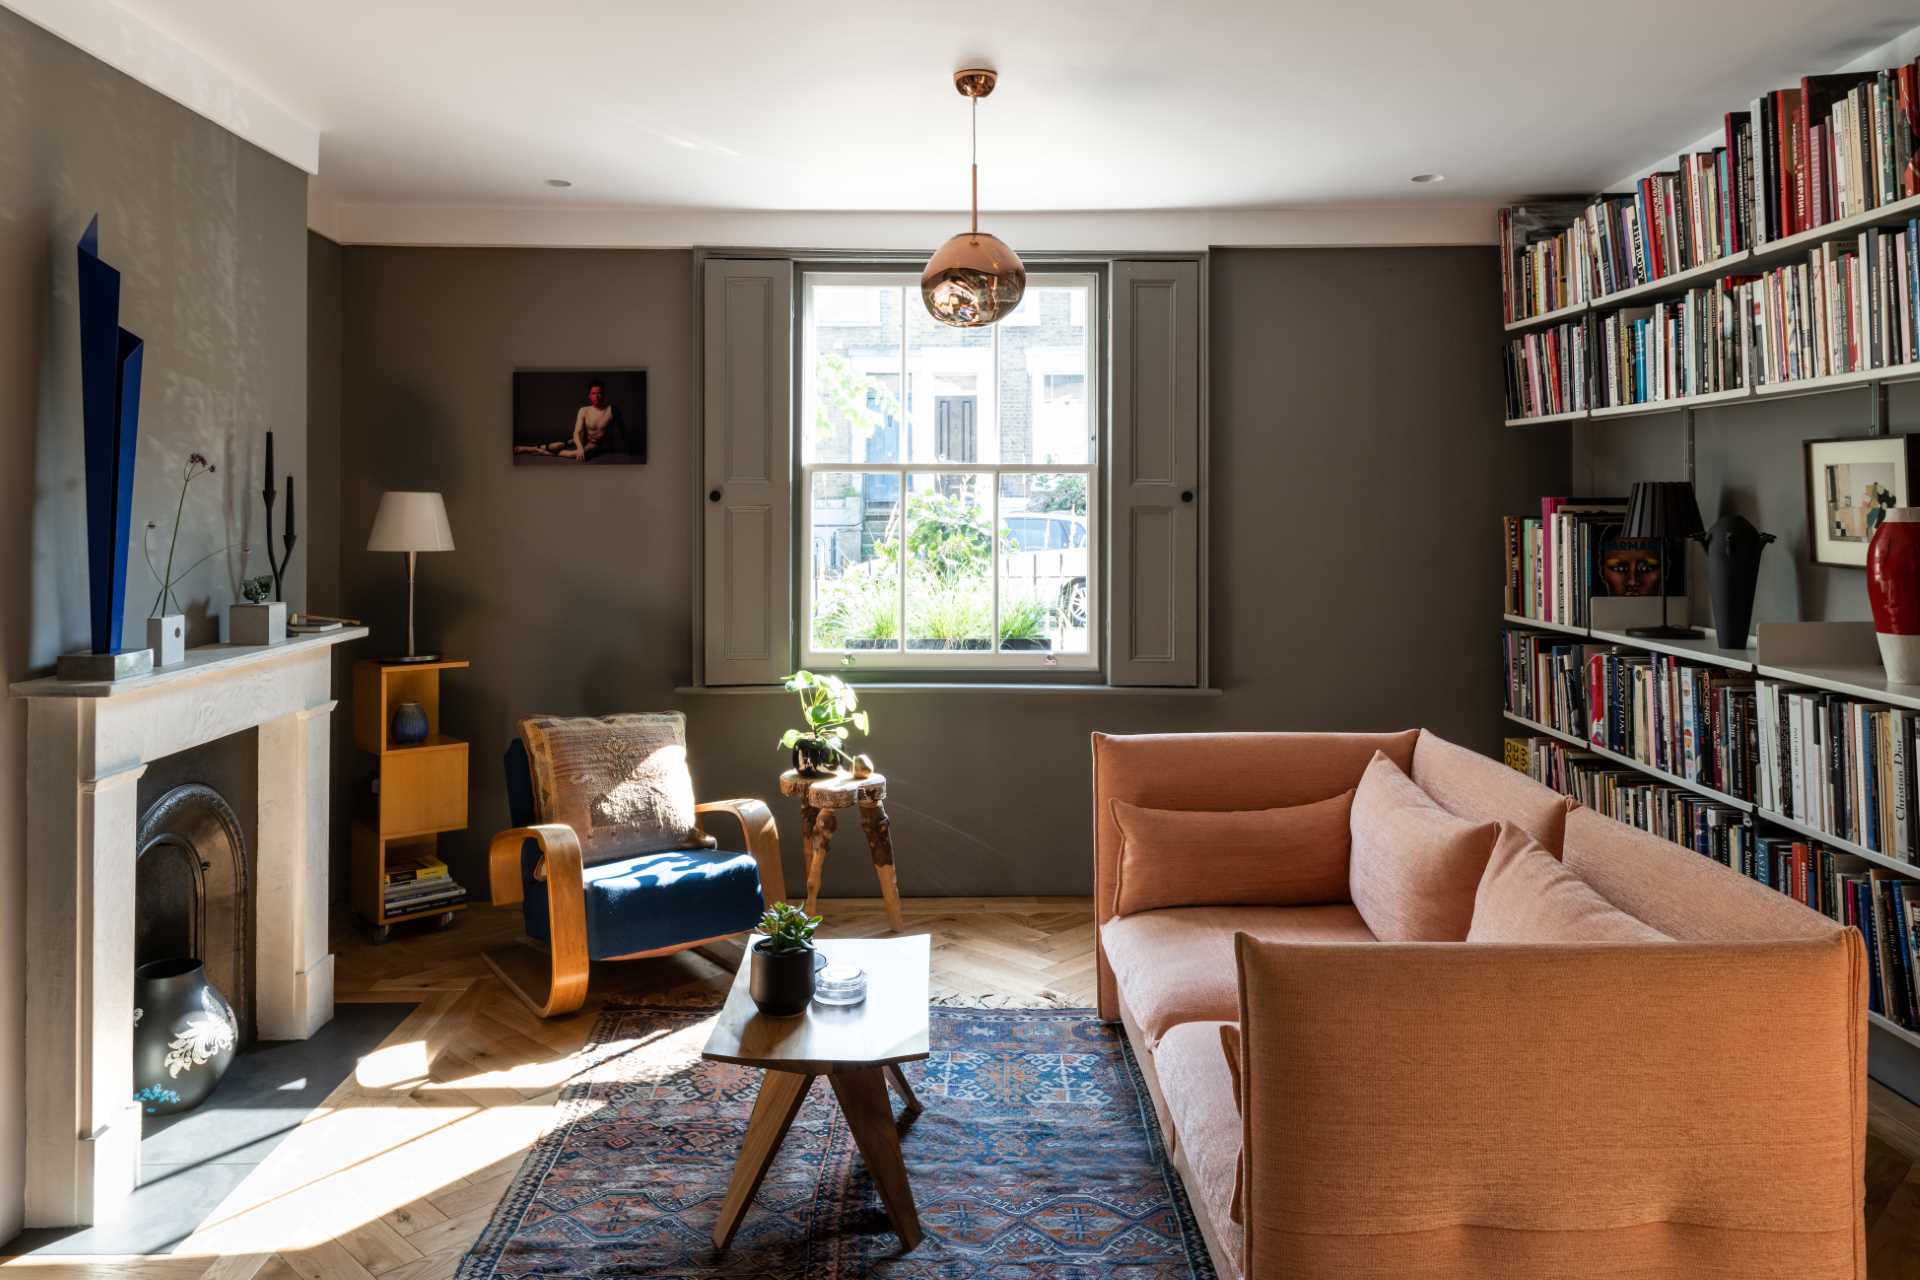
[952, 686]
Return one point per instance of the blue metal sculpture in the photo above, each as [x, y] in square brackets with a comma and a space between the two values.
[110, 408]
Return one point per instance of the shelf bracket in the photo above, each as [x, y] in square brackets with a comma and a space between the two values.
[1686, 436]
[1877, 422]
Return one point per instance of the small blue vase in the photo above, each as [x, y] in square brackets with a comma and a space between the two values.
[409, 725]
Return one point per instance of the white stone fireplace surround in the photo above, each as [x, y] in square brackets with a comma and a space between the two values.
[87, 745]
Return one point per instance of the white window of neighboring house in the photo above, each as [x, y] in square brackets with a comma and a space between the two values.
[956, 527]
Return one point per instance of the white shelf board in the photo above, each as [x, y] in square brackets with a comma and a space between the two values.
[1671, 406]
[1572, 740]
[1775, 251]
[1702, 649]
[1836, 842]
[1841, 381]
[1567, 312]
[1677, 283]
[1880, 1022]
[1572, 415]
[1540, 624]
[201, 661]
[1860, 681]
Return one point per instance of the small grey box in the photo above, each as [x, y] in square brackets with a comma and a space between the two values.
[257, 623]
[93, 668]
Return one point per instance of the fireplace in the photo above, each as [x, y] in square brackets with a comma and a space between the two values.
[191, 896]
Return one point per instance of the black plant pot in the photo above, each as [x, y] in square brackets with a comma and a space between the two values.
[814, 760]
[184, 1035]
[781, 982]
[1733, 571]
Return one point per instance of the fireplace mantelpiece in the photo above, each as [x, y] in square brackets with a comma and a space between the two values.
[87, 745]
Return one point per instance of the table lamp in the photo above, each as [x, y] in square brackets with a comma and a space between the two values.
[411, 522]
[1663, 511]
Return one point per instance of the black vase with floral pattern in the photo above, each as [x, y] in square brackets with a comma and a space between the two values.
[184, 1035]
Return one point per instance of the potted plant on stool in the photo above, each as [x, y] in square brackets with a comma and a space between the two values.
[781, 981]
[830, 705]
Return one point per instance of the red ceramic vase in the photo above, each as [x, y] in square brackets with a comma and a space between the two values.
[1893, 588]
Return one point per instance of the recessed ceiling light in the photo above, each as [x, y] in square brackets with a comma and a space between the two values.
[561, 183]
[1424, 178]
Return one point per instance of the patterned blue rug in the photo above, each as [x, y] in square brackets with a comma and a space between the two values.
[1036, 1158]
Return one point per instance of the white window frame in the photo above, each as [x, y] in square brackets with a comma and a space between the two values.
[988, 420]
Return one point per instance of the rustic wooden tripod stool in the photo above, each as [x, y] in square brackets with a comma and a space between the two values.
[821, 799]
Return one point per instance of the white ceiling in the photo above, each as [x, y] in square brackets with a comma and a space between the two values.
[737, 105]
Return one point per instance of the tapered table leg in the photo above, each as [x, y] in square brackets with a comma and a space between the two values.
[781, 1094]
[899, 1079]
[873, 817]
[816, 830]
[863, 1098]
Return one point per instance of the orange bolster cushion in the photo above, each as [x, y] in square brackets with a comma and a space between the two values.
[1414, 867]
[1295, 856]
[1528, 895]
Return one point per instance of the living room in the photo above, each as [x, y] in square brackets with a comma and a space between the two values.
[1277, 641]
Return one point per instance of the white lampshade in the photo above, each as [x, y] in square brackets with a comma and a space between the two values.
[411, 522]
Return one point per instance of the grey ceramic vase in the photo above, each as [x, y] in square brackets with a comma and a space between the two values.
[184, 1034]
[409, 727]
[1733, 571]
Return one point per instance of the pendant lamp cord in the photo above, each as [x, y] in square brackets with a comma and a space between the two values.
[975, 117]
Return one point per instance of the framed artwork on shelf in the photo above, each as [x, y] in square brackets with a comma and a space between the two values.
[1851, 484]
[570, 417]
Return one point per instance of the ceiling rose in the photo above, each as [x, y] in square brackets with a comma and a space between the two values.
[975, 279]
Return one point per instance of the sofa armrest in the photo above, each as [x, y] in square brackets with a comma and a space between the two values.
[1455, 1110]
[1215, 771]
[762, 837]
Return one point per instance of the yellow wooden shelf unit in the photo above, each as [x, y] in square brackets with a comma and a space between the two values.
[422, 789]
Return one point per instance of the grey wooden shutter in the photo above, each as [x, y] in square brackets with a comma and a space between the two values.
[1154, 468]
[748, 471]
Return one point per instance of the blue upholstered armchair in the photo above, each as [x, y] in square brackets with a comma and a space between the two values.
[652, 904]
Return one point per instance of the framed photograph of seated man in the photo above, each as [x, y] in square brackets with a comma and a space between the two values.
[579, 417]
[1851, 485]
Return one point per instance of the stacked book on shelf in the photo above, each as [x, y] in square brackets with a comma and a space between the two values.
[1543, 258]
[1554, 564]
[1546, 679]
[420, 883]
[1851, 306]
[1840, 766]
[1547, 371]
[1692, 345]
[1670, 222]
[1833, 147]
[1697, 723]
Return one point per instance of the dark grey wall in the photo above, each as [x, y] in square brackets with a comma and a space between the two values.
[1357, 462]
[1748, 459]
[209, 235]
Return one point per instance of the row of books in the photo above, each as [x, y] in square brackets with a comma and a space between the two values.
[1547, 372]
[1842, 766]
[1883, 904]
[1795, 160]
[1554, 565]
[1851, 306]
[1689, 346]
[1697, 723]
[1546, 676]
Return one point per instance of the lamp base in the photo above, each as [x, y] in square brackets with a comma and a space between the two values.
[407, 659]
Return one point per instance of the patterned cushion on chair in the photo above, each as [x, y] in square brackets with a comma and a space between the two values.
[659, 900]
[620, 781]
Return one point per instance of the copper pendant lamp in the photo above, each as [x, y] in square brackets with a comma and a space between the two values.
[976, 278]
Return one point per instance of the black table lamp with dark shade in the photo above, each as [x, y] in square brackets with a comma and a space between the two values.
[1663, 511]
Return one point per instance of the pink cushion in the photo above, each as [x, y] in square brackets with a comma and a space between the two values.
[1415, 866]
[1470, 785]
[1206, 1123]
[1526, 895]
[1177, 965]
[1270, 857]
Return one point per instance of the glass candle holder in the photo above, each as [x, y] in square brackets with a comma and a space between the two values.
[840, 984]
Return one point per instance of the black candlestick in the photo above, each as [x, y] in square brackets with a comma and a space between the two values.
[268, 494]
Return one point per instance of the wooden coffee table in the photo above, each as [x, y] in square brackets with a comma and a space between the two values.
[858, 1048]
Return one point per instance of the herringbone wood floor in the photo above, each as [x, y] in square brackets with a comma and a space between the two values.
[394, 1177]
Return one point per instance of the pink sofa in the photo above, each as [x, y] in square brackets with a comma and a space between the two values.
[1687, 1108]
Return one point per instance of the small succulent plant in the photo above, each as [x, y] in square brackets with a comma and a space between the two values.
[787, 928]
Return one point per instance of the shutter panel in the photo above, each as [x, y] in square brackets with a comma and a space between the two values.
[1153, 626]
[748, 543]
